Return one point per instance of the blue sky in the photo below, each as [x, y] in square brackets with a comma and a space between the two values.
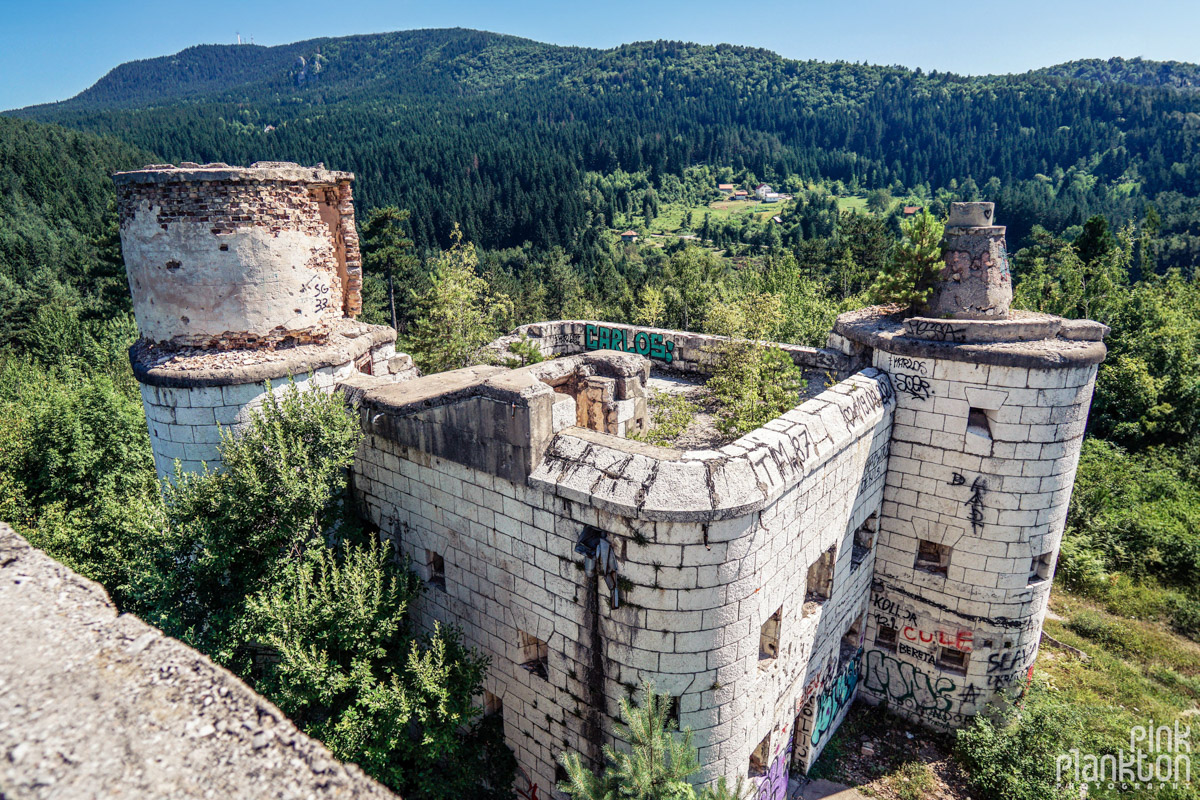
[53, 49]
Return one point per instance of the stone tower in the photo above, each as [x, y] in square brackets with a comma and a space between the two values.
[991, 406]
[240, 276]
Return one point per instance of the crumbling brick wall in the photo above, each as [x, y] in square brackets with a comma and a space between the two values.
[229, 257]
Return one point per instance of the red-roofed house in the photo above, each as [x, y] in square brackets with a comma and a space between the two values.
[629, 236]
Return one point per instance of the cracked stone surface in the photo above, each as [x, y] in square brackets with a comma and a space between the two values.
[96, 704]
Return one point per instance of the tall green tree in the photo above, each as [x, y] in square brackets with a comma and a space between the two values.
[657, 765]
[388, 250]
[348, 669]
[458, 314]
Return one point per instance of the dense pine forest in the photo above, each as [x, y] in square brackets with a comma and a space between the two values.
[503, 169]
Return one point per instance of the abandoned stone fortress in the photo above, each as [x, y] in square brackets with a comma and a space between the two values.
[891, 538]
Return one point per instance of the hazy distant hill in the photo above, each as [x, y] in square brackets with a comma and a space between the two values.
[499, 133]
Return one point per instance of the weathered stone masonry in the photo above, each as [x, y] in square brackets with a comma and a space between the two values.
[232, 257]
[891, 538]
[243, 278]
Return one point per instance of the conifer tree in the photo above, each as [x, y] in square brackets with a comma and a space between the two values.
[458, 314]
[657, 766]
[915, 264]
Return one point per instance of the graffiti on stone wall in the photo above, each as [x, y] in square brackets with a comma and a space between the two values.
[562, 339]
[974, 503]
[835, 698]
[891, 614]
[863, 403]
[876, 466]
[914, 386]
[320, 291]
[937, 331]
[912, 365]
[644, 343]
[908, 687]
[773, 784]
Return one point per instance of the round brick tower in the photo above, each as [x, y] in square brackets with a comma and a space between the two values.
[241, 277]
[991, 406]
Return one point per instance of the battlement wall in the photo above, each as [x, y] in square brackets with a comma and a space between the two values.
[100, 704]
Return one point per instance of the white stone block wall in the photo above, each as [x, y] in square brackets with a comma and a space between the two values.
[990, 501]
[186, 423]
[701, 574]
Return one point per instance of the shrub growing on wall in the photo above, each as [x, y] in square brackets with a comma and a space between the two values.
[915, 265]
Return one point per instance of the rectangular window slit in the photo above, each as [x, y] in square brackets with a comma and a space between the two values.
[952, 660]
[768, 639]
[885, 638]
[1040, 567]
[977, 423]
[437, 570]
[932, 557]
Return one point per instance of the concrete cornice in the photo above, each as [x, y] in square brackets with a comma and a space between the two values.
[190, 370]
[188, 172]
[634, 479]
[1072, 343]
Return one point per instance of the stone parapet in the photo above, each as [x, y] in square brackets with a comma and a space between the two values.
[681, 351]
[99, 704]
[632, 479]
[1001, 343]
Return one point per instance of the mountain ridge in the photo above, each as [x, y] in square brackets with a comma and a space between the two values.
[218, 71]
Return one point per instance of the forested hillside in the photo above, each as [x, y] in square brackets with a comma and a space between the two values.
[500, 134]
[1135, 71]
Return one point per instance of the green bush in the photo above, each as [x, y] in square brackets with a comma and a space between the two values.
[670, 415]
[230, 531]
[1010, 753]
[350, 672]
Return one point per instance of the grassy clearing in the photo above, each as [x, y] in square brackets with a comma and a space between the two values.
[1136, 670]
[854, 202]
[670, 218]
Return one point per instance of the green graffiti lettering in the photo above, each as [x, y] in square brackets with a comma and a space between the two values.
[602, 339]
[641, 342]
[589, 337]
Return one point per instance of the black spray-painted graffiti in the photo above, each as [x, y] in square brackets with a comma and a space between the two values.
[937, 331]
[914, 365]
[913, 652]
[320, 290]
[862, 404]
[970, 695]
[875, 467]
[913, 385]
[645, 343]
[835, 697]
[1007, 660]
[567, 339]
[903, 684]
[975, 501]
